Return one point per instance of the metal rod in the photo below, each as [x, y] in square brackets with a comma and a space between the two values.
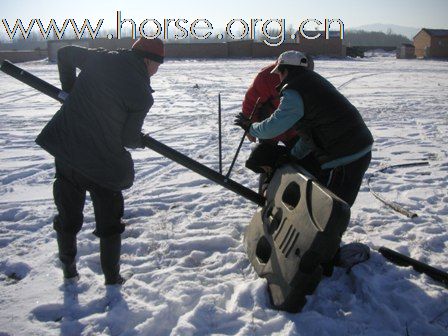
[403, 260]
[148, 141]
[393, 205]
[242, 140]
[202, 170]
[236, 155]
[219, 133]
[33, 81]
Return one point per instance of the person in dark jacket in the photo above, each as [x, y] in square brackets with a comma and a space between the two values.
[329, 126]
[101, 117]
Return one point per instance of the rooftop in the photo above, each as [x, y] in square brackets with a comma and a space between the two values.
[436, 32]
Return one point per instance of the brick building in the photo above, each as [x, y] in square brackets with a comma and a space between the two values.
[431, 43]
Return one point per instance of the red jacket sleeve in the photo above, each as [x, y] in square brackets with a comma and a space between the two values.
[263, 87]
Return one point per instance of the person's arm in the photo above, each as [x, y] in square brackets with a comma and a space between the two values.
[131, 135]
[137, 109]
[289, 112]
[70, 58]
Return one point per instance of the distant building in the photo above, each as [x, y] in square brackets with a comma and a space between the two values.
[431, 43]
[54, 45]
[231, 49]
[406, 51]
[23, 44]
[22, 50]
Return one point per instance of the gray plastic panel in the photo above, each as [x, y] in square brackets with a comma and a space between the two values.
[298, 229]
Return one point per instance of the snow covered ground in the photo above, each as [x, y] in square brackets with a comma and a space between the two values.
[184, 236]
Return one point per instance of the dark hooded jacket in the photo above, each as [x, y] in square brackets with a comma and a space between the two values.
[103, 114]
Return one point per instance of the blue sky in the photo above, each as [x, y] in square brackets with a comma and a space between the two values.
[414, 13]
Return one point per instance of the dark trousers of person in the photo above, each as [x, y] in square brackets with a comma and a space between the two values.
[69, 191]
[270, 154]
[345, 181]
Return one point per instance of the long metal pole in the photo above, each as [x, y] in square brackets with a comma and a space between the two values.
[403, 260]
[202, 170]
[220, 133]
[149, 142]
[33, 81]
[242, 140]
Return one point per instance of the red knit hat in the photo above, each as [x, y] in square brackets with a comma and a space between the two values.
[150, 48]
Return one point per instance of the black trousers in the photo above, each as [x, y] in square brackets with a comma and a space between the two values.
[69, 191]
[345, 181]
[270, 154]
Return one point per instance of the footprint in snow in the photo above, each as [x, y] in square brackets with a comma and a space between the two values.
[55, 312]
[132, 233]
[13, 272]
[48, 313]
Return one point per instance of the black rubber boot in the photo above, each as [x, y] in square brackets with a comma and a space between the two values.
[110, 248]
[67, 253]
[328, 268]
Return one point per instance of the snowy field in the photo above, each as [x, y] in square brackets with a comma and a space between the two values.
[184, 236]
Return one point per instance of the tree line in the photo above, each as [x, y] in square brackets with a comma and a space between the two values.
[361, 38]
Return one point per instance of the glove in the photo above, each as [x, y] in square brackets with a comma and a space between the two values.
[251, 138]
[242, 121]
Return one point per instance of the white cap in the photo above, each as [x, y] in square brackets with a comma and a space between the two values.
[291, 57]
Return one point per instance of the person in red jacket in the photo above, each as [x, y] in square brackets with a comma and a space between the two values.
[260, 101]
[264, 90]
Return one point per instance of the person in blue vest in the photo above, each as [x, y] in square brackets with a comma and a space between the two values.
[101, 117]
[330, 128]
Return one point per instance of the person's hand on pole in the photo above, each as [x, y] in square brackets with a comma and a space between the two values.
[242, 121]
[251, 138]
